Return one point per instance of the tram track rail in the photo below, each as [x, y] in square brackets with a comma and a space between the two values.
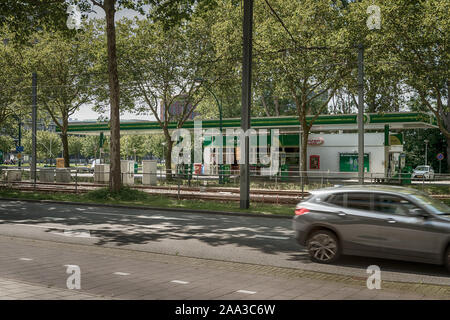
[182, 192]
[201, 193]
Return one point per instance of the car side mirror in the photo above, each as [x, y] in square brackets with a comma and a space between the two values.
[417, 212]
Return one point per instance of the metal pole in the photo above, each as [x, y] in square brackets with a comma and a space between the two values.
[246, 101]
[361, 113]
[20, 140]
[34, 125]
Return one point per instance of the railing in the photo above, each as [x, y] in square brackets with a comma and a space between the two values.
[82, 180]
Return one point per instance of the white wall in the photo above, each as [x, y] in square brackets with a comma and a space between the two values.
[347, 143]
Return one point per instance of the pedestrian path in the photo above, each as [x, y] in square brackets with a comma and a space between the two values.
[19, 290]
[35, 269]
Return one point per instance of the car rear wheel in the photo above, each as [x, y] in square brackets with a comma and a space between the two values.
[323, 247]
[447, 259]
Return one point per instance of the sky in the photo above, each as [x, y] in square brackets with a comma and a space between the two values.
[85, 112]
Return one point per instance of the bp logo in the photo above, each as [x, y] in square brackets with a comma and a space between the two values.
[366, 118]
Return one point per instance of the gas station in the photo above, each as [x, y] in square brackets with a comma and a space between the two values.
[332, 143]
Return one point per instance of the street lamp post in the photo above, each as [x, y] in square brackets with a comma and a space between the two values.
[247, 46]
[361, 113]
[426, 150]
[373, 22]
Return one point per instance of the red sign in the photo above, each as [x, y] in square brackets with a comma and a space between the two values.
[316, 141]
[314, 162]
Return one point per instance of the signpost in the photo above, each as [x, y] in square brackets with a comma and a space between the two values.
[440, 157]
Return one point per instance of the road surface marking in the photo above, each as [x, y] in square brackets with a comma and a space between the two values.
[271, 237]
[246, 292]
[121, 273]
[161, 218]
[134, 216]
[156, 227]
[66, 233]
[179, 281]
[77, 234]
[26, 259]
[33, 226]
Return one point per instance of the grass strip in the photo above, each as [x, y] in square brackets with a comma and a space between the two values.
[134, 197]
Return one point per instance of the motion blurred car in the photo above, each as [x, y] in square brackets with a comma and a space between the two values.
[376, 221]
[423, 172]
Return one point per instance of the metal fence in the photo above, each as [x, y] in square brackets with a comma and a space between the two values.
[178, 181]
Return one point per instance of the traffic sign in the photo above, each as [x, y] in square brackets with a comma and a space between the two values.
[19, 149]
[440, 156]
[19, 156]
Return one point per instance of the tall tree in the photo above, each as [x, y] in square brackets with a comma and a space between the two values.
[48, 146]
[299, 50]
[413, 46]
[167, 68]
[25, 16]
[64, 71]
[12, 78]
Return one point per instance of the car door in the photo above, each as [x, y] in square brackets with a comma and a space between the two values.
[362, 230]
[408, 236]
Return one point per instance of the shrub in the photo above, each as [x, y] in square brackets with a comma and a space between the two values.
[125, 194]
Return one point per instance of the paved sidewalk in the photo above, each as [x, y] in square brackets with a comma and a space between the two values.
[126, 274]
[18, 290]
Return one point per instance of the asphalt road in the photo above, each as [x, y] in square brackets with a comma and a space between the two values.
[256, 240]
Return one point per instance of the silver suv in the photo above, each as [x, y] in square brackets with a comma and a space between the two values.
[377, 221]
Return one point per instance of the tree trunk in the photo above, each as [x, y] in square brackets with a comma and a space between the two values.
[114, 97]
[266, 109]
[65, 144]
[447, 124]
[168, 163]
[65, 141]
[304, 155]
[276, 101]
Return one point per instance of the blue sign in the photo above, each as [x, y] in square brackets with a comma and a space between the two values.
[440, 156]
[19, 149]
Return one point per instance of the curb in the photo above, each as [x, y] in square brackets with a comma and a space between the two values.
[243, 214]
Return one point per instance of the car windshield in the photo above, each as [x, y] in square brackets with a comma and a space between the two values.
[422, 168]
[435, 206]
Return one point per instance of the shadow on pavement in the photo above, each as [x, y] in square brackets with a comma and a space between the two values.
[142, 227]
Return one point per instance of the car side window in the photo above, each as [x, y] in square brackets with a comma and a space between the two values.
[359, 201]
[391, 204]
[336, 199]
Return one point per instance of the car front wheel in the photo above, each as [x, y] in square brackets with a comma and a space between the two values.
[323, 247]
